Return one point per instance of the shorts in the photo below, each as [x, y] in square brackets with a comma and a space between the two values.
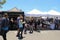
[21, 28]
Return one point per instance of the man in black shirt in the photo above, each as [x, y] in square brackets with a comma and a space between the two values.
[31, 24]
[38, 25]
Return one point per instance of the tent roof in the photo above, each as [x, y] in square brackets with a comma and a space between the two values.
[37, 12]
[15, 10]
[34, 11]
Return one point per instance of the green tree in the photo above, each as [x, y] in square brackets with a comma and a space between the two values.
[2, 2]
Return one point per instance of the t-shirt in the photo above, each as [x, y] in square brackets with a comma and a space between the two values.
[20, 24]
[52, 26]
[5, 23]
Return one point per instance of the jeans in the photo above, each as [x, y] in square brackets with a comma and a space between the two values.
[31, 28]
[4, 34]
[38, 27]
[20, 32]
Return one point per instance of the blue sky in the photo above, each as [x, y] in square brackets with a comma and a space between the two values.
[28, 5]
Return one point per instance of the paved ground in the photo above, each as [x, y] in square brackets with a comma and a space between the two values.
[43, 35]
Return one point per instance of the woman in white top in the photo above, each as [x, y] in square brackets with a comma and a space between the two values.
[52, 25]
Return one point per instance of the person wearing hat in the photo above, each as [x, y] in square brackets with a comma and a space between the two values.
[5, 25]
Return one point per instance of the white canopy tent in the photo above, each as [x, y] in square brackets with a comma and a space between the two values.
[37, 13]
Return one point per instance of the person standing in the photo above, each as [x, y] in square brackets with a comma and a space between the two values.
[11, 24]
[0, 24]
[31, 24]
[52, 25]
[20, 26]
[25, 26]
[38, 25]
[56, 23]
[5, 26]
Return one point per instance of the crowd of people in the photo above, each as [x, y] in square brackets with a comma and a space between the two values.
[31, 24]
[44, 24]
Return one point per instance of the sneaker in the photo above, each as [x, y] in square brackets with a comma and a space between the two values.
[30, 32]
[25, 33]
[20, 37]
[17, 35]
[38, 30]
